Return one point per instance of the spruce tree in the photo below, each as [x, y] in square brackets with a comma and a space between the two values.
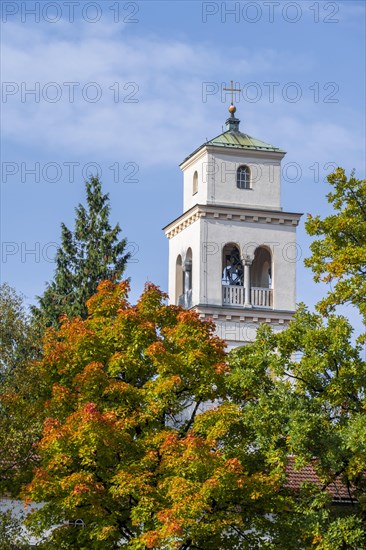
[90, 254]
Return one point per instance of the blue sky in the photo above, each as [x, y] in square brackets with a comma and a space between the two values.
[124, 85]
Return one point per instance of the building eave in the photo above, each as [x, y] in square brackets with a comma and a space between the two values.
[244, 315]
[231, 213]
[267, 150]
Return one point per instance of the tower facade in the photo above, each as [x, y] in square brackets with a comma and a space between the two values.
[232, 253]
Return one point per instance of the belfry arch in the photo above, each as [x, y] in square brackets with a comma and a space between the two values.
[262, 268]
[178, 278]
[183, 279]
[187, 268]
[232, 266]
[261, 277]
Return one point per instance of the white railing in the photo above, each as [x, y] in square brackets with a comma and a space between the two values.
[261, 297]
[232, 295]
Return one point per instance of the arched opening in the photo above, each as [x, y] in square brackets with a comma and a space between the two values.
[261, 268]
[232, 267]
[195, 183]
[178, 279]
[184, 280]
[232, 276]
[261, 277]
[188, 271]
[243, 177]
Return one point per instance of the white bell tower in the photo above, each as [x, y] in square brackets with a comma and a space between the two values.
[233, 252]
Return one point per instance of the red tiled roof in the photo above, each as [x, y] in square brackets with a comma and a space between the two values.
[295, 478]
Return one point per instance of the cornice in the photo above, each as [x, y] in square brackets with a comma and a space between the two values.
[242, 315]
[193, 159]
[233, 214]
[242, 152]
[231, 151]
[186, 219]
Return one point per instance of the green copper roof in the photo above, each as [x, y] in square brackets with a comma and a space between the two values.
[234, 139]
[238, 140]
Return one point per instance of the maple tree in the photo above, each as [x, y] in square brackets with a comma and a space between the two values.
[154, 438]
[141, 441]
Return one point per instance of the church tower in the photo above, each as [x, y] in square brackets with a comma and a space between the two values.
[232, 253]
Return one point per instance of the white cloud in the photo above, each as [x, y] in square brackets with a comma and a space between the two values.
[169, 119]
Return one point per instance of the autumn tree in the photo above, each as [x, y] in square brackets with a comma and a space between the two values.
[142, 442]
[152, 440]
[91, 253]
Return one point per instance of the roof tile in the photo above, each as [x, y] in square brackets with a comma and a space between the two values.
[295, 479]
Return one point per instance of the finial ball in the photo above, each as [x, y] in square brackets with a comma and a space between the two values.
[232, 108]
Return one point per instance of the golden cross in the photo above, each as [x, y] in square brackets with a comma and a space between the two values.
[232, 90]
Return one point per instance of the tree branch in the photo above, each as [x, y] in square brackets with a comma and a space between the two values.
[191, 420]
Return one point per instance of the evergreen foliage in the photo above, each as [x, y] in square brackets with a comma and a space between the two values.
[90, 254]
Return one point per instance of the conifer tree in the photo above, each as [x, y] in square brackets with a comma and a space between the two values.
[90, 254]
